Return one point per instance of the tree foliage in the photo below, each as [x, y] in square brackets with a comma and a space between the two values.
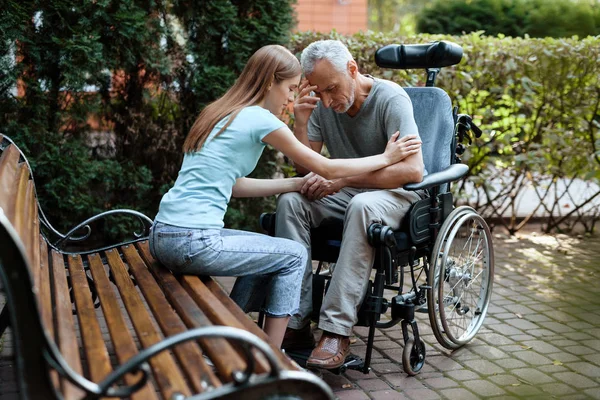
[100, 94]
[536, 18]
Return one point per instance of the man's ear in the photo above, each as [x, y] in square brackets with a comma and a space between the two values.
[352, 68]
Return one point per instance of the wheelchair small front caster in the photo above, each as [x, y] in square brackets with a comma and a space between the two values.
[413, 357]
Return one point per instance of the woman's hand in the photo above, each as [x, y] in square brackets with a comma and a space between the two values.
[399, 149]
[304, 104]
[316, 187]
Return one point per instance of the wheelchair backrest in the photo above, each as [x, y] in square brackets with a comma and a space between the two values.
[433, 114]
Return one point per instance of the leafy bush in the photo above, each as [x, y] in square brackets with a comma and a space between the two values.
[537, 18]
[538, 102]
[109, 91]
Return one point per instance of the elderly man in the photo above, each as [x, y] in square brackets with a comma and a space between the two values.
[354, 115]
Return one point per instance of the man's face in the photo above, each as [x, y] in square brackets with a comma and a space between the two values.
[334, 88]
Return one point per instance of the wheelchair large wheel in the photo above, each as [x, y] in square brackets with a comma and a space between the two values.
[461, 278]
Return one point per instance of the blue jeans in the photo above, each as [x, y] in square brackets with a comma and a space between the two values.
[267, 267]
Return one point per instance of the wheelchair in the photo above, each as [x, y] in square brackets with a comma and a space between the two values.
[441, 260]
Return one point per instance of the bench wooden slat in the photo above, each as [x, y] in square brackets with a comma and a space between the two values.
[239, 316]
[188, 354]
[123, 342]
[9, 161]
[33, 234]
[21, 222]
[222, 354]
[91, 335]
[166, 373]
[45, 299]
[216, 312]
[65, 325]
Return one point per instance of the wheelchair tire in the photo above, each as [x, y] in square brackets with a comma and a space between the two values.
[412, 358]
[461, 276]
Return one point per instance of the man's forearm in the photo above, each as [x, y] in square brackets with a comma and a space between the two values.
[301, 133]
[391, 177]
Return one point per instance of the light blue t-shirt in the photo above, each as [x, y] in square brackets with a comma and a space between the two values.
[203, 187]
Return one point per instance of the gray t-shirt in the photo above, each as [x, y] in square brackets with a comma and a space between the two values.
[386, 109]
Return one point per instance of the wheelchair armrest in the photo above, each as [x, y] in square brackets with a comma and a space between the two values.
[450, 174]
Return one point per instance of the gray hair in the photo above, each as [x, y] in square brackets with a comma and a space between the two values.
[333, 51]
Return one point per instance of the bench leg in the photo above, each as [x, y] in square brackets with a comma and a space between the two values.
[4, 319]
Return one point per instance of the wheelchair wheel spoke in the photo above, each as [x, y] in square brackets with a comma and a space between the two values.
[463, 260]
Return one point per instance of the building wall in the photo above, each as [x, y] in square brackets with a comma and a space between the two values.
[345, 16]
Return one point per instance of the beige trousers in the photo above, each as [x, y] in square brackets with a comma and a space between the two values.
[359, 208]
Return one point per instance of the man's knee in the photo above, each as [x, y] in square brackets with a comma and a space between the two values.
[289, 201]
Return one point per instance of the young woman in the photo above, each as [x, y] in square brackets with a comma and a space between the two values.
[224, 146]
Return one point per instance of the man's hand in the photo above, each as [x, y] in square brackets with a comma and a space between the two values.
[304, 103]
[316, 187]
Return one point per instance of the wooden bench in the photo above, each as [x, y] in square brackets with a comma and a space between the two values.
[171, 336]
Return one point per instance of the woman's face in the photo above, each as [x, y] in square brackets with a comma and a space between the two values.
[280, 95]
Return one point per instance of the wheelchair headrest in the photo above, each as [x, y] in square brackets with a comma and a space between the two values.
[430, 55]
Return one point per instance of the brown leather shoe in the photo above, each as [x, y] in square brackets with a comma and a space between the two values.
[295, 339]
[330, 353]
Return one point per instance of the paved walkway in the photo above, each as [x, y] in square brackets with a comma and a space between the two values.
[541, 338]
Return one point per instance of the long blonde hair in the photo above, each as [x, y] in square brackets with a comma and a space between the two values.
[268, 65]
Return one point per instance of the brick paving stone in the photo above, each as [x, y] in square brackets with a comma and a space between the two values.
[587, 369]
[552, 369]
[540, 332]
[563, 357]
[577, 396]
[352, 395]
[557, 389]
[595, 358]
[575, 379]
[580, 350]
[532, 376]
[541, 347]
[440, 383]
[594, 393]
[387, 395]
[483, 388]
[594, 344]
[422, 394]
[488, 352]
[458, 393]
[557, 326]
[403, 381]
[462, 375]
[510, 363]
[495, 338]
[521, 324]
[531, 357]
[444, 363]
[484, 367]
[385, 368]
[587, 335]
[538, 318]
[524, 391]
[373, 384]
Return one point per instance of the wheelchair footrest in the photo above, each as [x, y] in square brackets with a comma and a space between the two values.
[351, 362]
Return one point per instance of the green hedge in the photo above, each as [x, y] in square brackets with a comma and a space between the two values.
[537, 101]
[537, 18]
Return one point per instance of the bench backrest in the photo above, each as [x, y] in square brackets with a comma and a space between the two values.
[24, 270]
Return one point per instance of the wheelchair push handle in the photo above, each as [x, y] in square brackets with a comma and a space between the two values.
[430, 55]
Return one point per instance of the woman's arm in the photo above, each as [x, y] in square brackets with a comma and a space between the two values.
[250, 187]
[285, 141]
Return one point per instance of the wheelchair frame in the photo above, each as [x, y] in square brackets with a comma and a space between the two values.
[430, 228]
